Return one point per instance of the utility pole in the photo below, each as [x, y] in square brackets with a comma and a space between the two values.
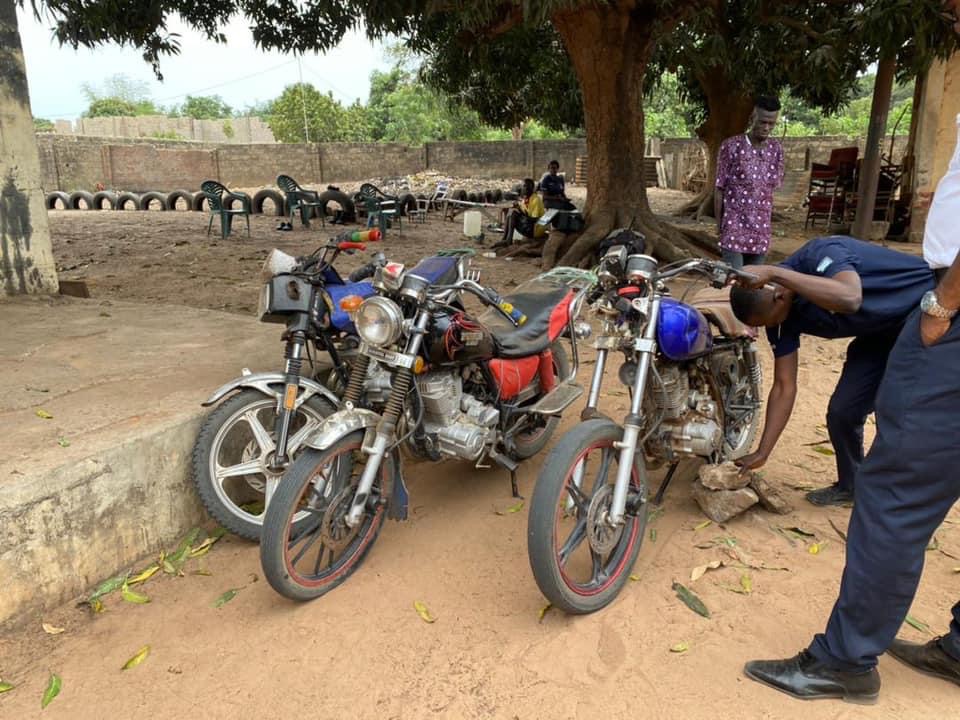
[303, 101]
[870, 168]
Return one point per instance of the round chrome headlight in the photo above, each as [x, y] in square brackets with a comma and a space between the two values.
[379, 321]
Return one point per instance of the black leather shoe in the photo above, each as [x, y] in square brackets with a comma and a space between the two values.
[806, 678]
[832, 495]
[930, 659]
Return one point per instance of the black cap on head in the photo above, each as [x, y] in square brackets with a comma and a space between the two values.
[770, 103]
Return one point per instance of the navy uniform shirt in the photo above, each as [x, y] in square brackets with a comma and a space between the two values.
[552, 184]
[892, 283]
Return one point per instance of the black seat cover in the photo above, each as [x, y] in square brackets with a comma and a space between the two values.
[437, 270]
[537, 300]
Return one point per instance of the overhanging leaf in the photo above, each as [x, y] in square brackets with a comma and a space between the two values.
[225, 598]
[423, 612]
[53, 689]
[691, 600]
[52, 629]
[680, 648]
[132, 596]
[917, 624]
[137, 659]
[701, 570]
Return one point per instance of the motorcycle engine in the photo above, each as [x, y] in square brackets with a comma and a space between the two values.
[461, 425]
[691, 422]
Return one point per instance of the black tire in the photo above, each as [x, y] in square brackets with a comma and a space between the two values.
[148, 198]
[488, 196]
[300, 477]
[176, 196]
[549, 507]
[509, 195]
[527, 445]
[261, 196]
[341, 199]
[127, 198]
[497, 195]
[518, 188]
[223, 506]
[105, 200]
[200, 203]
[460, 194]
[57, 196]
[473, 197]
[81, 196]
[406, 203]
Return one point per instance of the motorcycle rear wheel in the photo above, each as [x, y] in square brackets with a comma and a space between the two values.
[566, 519]
[320, 483]
[239, 433]
[529, 443]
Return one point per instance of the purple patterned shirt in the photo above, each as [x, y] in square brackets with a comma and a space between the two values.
[748, 175]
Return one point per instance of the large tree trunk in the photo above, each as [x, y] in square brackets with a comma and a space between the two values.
[610, 46]
[729, 113]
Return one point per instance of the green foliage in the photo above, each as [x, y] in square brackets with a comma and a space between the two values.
[228, 130]
[167, 135]
[119, 95]
[43, 125]
[667, 114]
[304, 114]
[209, 107]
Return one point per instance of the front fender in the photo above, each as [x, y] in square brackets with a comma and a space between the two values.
[271, 384]
[341, 424]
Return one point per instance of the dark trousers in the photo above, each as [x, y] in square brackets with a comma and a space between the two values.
[854, 399]
[904, 490]
[738, 259]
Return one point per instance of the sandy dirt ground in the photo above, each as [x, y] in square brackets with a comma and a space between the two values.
[363, 652]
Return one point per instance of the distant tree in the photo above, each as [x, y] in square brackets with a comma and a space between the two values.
[43, 125]
[205, 107]
[119, 95]
[326, 119]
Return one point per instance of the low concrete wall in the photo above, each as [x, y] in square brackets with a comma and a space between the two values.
[232, 130]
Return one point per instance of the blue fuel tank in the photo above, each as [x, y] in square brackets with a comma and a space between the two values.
[682, 331]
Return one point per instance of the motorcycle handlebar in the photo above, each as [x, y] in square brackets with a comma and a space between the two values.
[357, 236]
[343, 246]
[488, 296]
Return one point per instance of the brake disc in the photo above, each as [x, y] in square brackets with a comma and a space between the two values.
[601, 536]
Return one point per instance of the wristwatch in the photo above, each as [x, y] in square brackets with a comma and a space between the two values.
[932, 307]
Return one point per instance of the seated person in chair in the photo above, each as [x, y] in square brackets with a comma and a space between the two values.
[554, 190]
[524, 215]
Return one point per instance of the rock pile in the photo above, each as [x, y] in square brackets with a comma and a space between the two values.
[723, 492]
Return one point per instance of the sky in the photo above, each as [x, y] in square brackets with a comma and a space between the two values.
[237, 71]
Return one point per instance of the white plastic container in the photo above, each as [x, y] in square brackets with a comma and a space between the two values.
[472, 223]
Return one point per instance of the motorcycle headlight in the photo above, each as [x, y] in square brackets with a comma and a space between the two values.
[379, 321]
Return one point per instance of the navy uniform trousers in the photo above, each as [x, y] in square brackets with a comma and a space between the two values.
[905, 487]
[854, 399]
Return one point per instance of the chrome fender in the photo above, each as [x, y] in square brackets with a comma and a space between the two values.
[271, 384]
[341, 424]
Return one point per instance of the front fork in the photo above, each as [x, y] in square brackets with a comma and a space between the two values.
[387, 427]
[646, 348]
[288, 401]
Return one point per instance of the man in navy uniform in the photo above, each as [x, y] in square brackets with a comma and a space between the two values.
[904, 490]
[832, 287]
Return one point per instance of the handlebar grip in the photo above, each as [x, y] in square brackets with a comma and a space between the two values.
[362, 273]
[351, 246]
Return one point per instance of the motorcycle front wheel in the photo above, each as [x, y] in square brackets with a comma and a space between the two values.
[232, 454]
[580, 562]
[303, 561]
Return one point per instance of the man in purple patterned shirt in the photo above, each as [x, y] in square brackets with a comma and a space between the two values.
[749, 169]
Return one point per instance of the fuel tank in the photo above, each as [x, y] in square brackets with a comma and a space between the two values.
[457, 340]
[682, 331]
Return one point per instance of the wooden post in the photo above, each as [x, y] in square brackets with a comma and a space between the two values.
[870, 168]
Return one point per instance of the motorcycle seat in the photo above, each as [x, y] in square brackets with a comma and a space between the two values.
[546, 306]
[437, 270]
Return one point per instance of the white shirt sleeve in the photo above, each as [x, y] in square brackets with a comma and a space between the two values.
[941, 237]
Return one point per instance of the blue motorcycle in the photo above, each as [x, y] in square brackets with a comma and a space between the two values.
[694, 380]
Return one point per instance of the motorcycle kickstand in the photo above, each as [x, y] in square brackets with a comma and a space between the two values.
[658, 498]
[513, 485]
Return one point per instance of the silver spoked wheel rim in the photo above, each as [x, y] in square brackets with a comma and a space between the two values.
[241, 452]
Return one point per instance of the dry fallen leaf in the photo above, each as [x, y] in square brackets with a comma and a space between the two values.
[132, 596]
[746, 582]
[43, 414]
[6, 687]
[703, 525]
[225, 598]
[636, 578]
[52, 629]
[824, 450]
[690, 599]
[817, 547]
[543, 612]
[680, 648]
[423, 612]
[917, 624]
[53, 689]
[63, 442]
[700, 571]
[836, 528]
[144, 575]
[653, 534]
[137, 659]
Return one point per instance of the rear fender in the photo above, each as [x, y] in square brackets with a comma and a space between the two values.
[271, 384]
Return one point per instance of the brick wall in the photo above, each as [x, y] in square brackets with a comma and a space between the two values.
[235, 130]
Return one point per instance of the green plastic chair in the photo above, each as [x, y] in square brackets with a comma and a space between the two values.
[382, 209]
[302, 200]
[217, 196]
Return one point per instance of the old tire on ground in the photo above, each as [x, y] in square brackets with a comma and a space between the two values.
[406, 203]
[176, 196]
[148, 198]
[510, 195]
[518, 188]
[558, 500]
[200, 203]
[219, 438]
[473, 197]
[339, 198]
[128, 198]
[527, 445]
[106, 198]
[81, 196]
[273, 196]
[57, 196]
[497, 195]
[488, 196]
[460, 194]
